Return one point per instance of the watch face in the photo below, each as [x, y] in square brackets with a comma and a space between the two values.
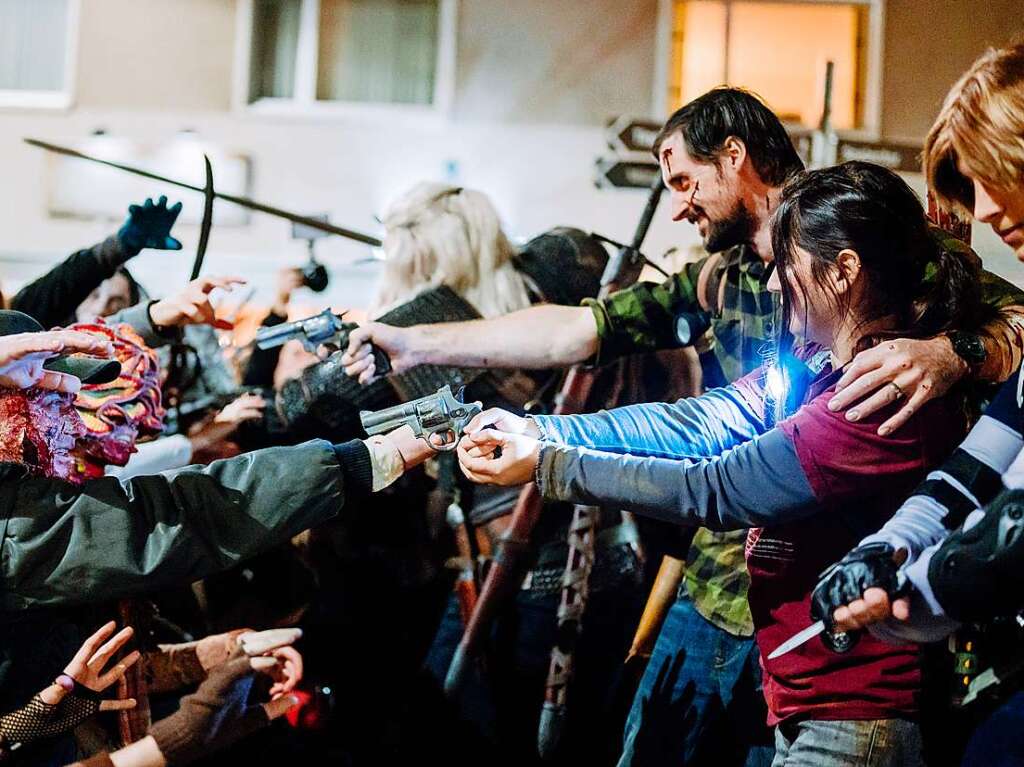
[968, 346]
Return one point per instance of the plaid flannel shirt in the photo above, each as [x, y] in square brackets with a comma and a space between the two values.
[642, 318]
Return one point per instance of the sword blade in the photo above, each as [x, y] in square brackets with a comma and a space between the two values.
[245, 202]
[797, 639]
[204, 229]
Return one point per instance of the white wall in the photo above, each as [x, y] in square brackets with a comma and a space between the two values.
[539, 176]
[535, 80]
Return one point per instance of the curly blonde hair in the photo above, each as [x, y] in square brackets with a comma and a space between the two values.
[437, 234]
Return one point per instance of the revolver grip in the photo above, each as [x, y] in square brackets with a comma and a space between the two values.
[381, 361]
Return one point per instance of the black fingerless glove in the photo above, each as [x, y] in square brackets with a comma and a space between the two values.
[869, 566]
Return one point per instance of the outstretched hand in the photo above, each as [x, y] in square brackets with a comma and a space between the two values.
[149, 226]
[491, 457]
[218, 713]
[192, 306]
[911, 370]
[503, 420]
[87, 667]
[396, 343]
[74, 696]
[22, 356]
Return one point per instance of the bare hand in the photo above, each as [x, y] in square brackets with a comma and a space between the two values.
[503, 420]
[248, 407]
[87, 666]
[481, 462]
[873, 607]
[287, 671]
[414, 450]
[209, 434]
[274, 645]
[920, 370]
[192, 306]
[22, 356]
[255, 643]
[395, 342]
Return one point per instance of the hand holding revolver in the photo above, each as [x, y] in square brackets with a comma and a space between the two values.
[438, 419]
[324, 329]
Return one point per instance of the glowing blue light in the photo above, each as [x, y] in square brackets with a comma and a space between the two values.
[775, 384]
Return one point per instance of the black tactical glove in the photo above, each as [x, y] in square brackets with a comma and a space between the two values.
[873, 565]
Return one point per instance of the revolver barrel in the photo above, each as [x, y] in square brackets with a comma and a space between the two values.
[389, 419]
[278, 335]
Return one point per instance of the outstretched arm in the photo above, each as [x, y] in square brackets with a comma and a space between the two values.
[758, 483]
[545, 336]
[695, 427]
[68, 545]
[815, 457]
[641, 318]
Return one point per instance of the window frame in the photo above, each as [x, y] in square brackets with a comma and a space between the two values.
[57, 100]
[871, 129]
[305, 104]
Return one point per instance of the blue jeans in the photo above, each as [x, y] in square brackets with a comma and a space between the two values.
[700, 700]
[847, 743]
[999, 739]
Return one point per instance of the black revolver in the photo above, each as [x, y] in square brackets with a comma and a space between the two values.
[441, 413]
[320, 329]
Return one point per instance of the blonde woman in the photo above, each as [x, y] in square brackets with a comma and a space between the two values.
[448, 259]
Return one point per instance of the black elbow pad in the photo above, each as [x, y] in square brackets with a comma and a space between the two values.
[978, 574]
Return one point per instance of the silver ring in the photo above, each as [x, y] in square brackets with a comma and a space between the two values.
[899, 391]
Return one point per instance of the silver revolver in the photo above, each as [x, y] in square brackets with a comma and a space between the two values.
[324, 328]
[443, 414]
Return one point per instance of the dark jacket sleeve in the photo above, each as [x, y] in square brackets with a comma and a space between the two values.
[53, 298]
[262, 362]
[67, 545]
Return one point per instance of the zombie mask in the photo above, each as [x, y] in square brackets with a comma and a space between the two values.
[116, 414]
[38, 429]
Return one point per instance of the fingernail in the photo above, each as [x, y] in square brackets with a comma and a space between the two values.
[884, 431]
[853, 415]
[833, 405]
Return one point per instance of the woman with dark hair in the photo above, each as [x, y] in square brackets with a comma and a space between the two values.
[117, 292]
[851, 248]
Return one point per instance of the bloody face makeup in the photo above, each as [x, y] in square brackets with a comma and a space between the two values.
[39, 429]
[116, 414]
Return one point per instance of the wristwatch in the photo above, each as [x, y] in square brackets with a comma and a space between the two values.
[969, 347]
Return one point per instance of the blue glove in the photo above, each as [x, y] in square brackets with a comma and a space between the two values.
[149, 226]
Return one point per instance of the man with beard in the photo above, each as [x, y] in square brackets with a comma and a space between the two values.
[724, 158]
